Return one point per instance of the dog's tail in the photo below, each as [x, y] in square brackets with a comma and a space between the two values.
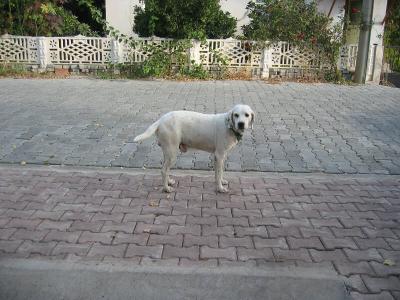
[148, 133]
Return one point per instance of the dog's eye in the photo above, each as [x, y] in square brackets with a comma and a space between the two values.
[246, 115]
[236, 115]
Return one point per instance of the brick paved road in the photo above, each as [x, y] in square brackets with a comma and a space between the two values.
[347, 223]
[299, 128]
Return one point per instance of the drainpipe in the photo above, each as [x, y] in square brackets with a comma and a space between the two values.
[363, 42]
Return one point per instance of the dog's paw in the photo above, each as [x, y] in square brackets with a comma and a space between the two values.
[222, 189]
[224, 182]
[171, 181]
[167, 189]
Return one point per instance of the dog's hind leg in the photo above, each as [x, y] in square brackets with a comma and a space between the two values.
[170, 154]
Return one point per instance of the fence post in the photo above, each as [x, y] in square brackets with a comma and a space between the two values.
[194, 52]
[266, 61]
[43, 53]
[116, 51]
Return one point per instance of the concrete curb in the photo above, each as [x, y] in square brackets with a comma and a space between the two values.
[39, 279]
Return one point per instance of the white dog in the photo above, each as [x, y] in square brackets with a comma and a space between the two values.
[212, 133]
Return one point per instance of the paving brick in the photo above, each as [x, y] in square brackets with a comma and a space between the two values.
[225, 242]
[349, 268]
[240, 221]
[346, 232]
[326, 223]
[55, 235]
[109, 250]
[76, 216]
[67, 248]
[50, 215]
[385, 270]
[190, 229]
[149, 219]
[21, 223]
[193, 240]
[226, 212]
[355, 283]
[33, 235]
[210, 253]
[363, 255]
[350, 223]
[295, 222]
[147, 251]
[270, 243]
[90, 226]
[273, 221]
[254, 213]
[101, 237]
[218, 230]
[378, 284]
[201, 220]
[283, 231]
[177, 220]
[5, 233]
[127, 227]
[394, 243]
[9, 246]
[336, 255]
[124, 238]
[43, 248]
[151, 228]
[338, 243]
[57, 225]
[311, 243]
[107, 217]
[251, 231]
[173, 240]
[179, 211]
[372, 243]
[178, 252]
[376, 233]
[298, 254]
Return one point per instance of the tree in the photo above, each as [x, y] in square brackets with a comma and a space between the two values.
[297, 22]
[47, 17]
[183, 19]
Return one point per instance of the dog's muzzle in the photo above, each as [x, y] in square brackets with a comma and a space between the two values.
[240, 125]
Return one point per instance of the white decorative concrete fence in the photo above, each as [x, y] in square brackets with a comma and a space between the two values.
[86, 52]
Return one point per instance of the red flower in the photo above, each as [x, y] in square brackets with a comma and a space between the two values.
[355, 10]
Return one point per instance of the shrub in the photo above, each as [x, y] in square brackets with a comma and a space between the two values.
[297, 22]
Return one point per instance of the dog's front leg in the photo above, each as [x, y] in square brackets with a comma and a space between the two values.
[219, 168]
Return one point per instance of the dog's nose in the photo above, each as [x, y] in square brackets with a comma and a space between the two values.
[241, 125]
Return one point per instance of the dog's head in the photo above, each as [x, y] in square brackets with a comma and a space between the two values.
[241, 117]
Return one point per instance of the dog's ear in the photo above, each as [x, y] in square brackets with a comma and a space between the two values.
[252, 119]
[229, 119]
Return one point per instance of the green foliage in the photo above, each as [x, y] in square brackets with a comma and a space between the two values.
[44, 18]
[12, 69]
[183, 19]
[299, 23]
[392, 35]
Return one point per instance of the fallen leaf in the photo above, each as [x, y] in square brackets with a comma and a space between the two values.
[153, 204]
[144, 168]
[23, 163]
[168, 196]
[389, 262]
[147, 230]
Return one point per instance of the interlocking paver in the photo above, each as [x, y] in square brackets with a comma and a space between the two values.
[206, 233]
[315, 117]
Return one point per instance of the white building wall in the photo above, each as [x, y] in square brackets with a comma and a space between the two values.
[237, 9]
[119, 14]
[338, 9]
